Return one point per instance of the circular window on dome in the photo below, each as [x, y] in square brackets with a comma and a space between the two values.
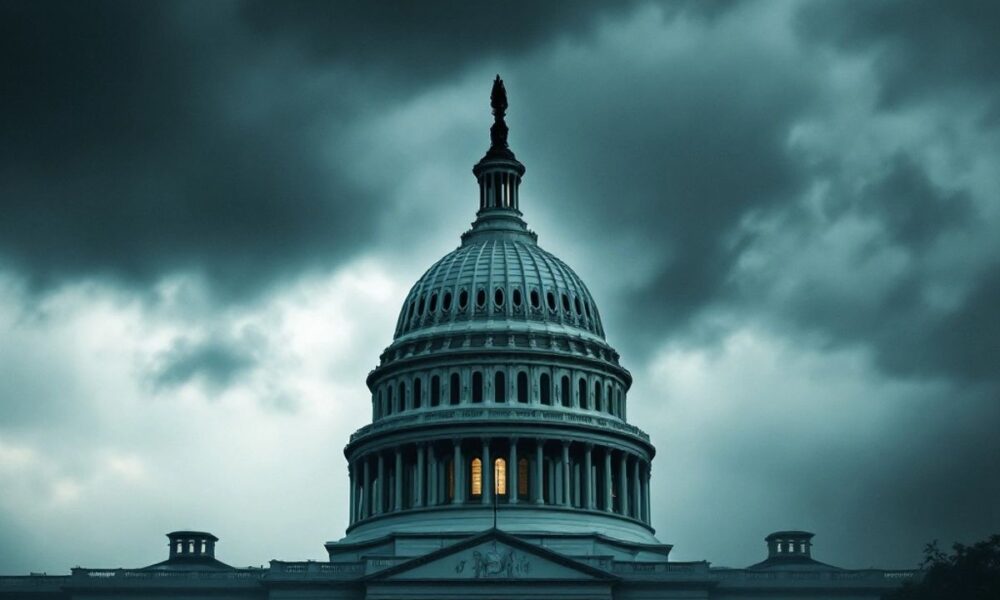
[481, 298]
[515, 297]
[434, 302]
[446, 302]
[535, 300]
[463, 299]
[498, 297]
[565, 303]
[420, 307]
[576, 305]
[551, 299]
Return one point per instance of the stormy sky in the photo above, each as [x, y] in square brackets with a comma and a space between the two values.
[210, 214]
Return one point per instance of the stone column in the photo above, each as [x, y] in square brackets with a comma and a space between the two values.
[567, 495]
[649, 508]
[432, 476]
[487, 495]
[354, 492]
[608, 503]
[623, 484]
[636, 489]
[459, 470]
[539, 465]
[588, 477]
[380, 501]
[512, 473]
[398, 505]
[366, 493]
[421, 473]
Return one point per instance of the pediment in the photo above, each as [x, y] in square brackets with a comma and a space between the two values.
[493, 556]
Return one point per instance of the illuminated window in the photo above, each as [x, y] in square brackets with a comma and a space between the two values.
[477, 477]
[522, 478]
[500, 476]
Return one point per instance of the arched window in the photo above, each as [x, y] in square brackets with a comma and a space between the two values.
[609, 401]
[417, 392]
[564, 391]
[597, 396]
[463, 299]
[565, 303]
[389, 403]
[420, 306]
[481, 298]
[402, 396]
[515, 297]
[446, 302]
[500, 476]
[477, 477]
[381, 405]
[434, 303]
[499, 387]
[545, 388]
[533, 296]
[435, 390]
[522, 478]
[455, 388]
[477, 386]
[582, 389]
[522, 387]
[551, 299]
[498, 297]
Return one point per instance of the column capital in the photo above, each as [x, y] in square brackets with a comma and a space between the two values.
[588, 445]
[514, 439]
[565, 443]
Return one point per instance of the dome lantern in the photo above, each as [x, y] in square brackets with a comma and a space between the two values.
[499, 172]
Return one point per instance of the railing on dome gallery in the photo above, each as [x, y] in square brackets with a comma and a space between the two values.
[493, 414]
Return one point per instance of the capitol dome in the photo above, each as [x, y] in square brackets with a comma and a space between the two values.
[499, 399]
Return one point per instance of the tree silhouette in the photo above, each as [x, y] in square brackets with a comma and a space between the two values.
[969, 573]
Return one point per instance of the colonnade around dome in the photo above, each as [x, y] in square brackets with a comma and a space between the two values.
[502, 471]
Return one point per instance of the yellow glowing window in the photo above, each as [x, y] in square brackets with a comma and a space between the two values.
[522, 477]
[477, 477]
[500, 476]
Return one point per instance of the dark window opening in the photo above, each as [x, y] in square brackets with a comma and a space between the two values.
[420, 306]
[417, 392]
[446, 302]
[402, 397]
[435, 390]
[582, 388]
[565, 303]
[498, 297]
[535, 301]
[597, 396]
[609, 401]
[434, 302]
[516, 297]
[481, 298]
[463, 299]
[455, 388]
[576, 305]
[545, 388]
[522, 387]
[586, 307]
[477, 387]
[564, 391]
[551, 299]
[499, 387]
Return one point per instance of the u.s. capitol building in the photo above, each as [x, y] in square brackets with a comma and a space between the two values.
[499, 462]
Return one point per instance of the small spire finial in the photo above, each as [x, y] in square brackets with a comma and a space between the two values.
[498, 100]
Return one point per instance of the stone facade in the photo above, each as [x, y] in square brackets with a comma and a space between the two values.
[499, 462]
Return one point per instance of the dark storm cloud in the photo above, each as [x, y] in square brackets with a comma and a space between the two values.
[215, 362]
[912, 209]
[125, 152]
[920, 47]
